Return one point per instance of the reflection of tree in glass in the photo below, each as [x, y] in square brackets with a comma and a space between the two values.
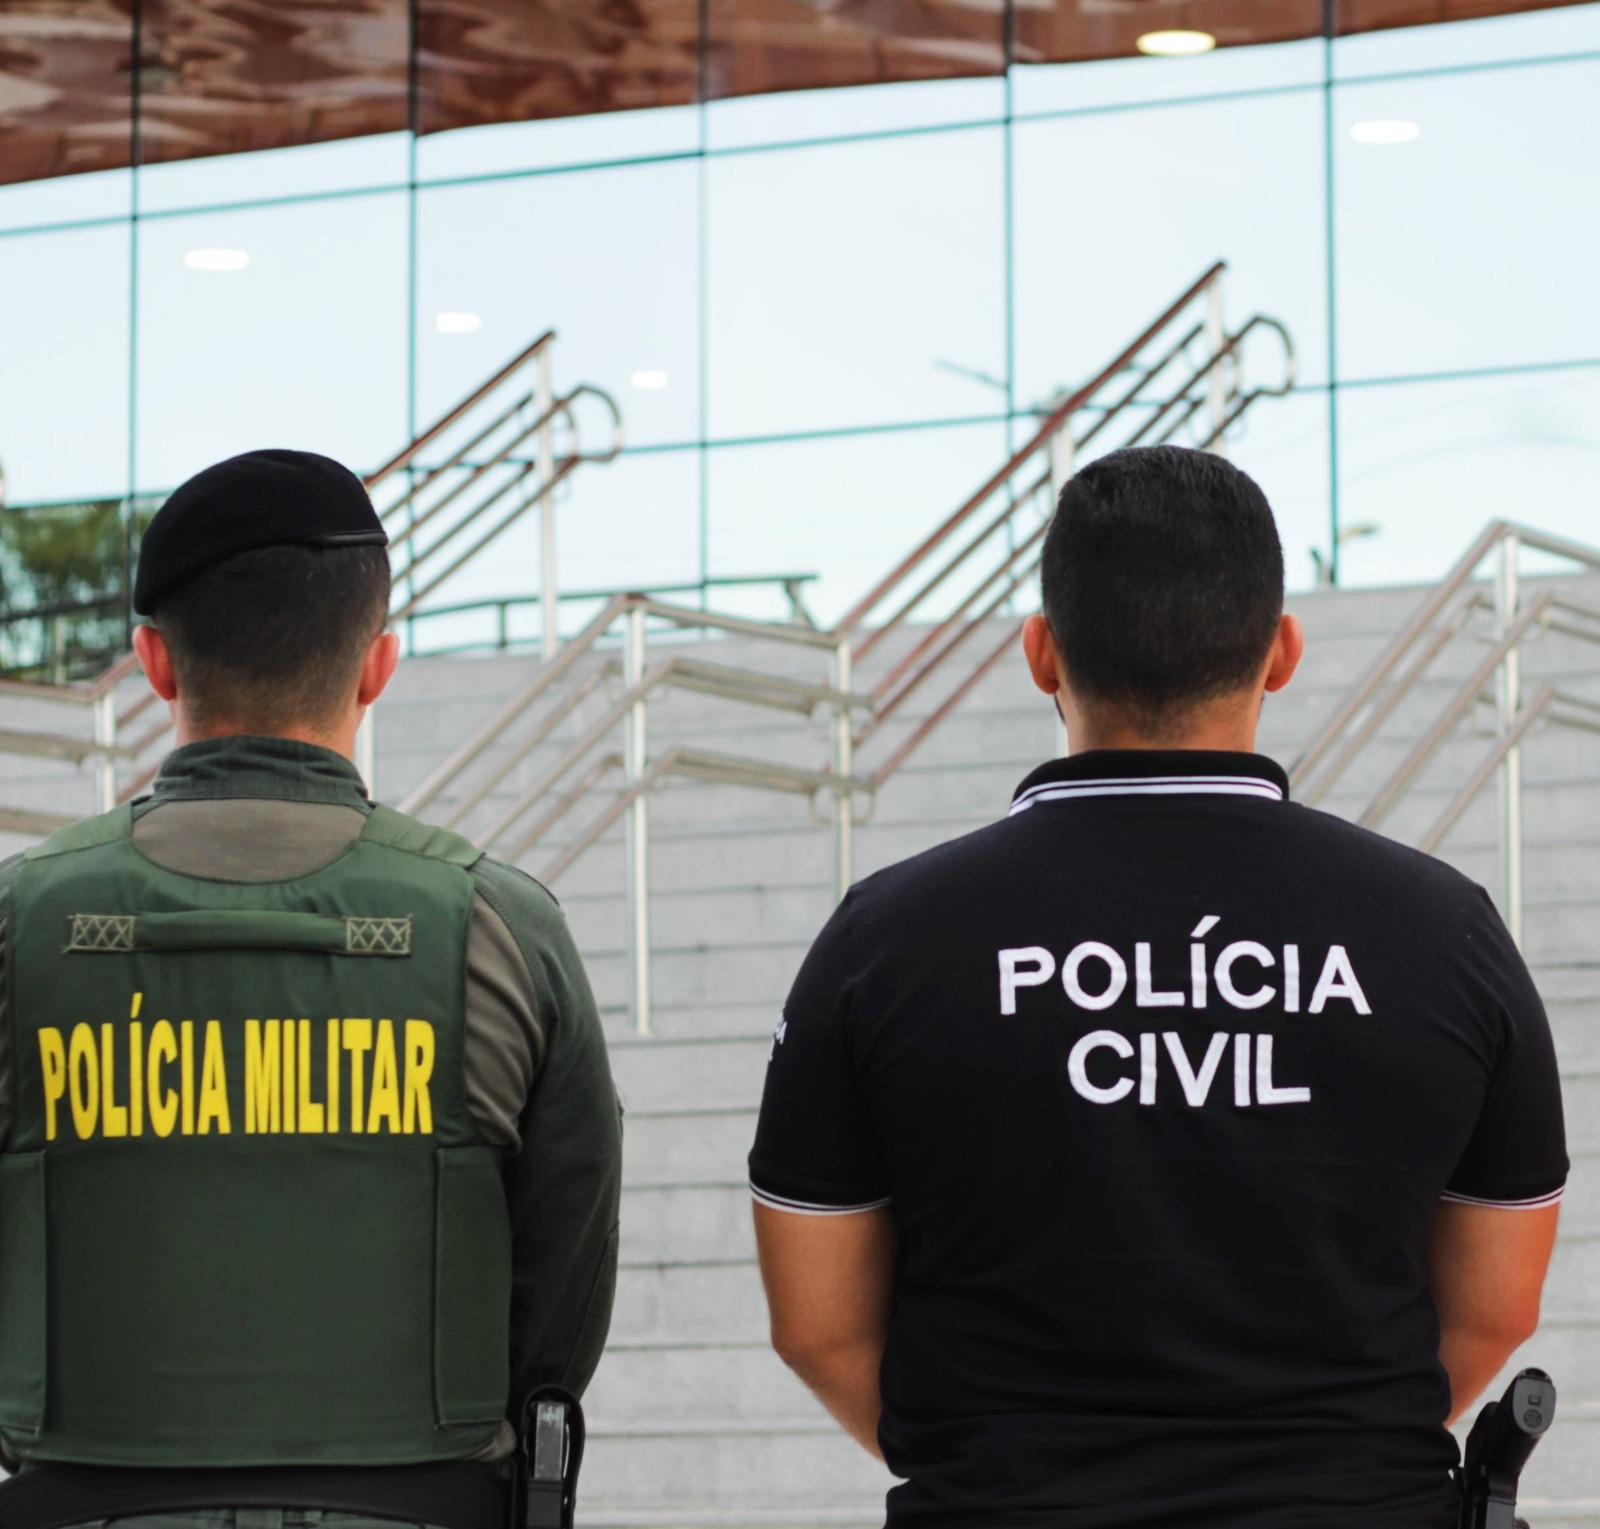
[63, 588]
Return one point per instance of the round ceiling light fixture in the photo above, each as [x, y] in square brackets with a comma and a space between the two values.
[1385, 130]
[650, 381]
[1175, 44]
[458, 323]
[217, 260]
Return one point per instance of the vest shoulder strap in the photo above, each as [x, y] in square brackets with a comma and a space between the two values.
[397, 831]
[109, 828]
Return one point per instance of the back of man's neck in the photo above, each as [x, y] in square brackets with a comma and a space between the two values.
[320, 738]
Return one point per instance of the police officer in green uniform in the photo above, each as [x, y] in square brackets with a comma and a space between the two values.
[309, 1148]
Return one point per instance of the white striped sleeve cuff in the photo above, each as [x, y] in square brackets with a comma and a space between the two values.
[1533, 1202]
[810, 1208]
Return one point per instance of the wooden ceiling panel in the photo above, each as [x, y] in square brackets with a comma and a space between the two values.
[224, 76]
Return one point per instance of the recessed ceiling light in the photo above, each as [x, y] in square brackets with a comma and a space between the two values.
[217, 260]
[650, 381]
[1385, 130]
[1175, 44]
[458, 323]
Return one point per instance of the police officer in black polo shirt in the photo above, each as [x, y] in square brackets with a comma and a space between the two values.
[1166, 1153]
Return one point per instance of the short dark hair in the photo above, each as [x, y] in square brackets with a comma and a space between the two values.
[273, 638]
[1162, 577]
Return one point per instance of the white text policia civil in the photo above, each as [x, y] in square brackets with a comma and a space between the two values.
[1242, 974]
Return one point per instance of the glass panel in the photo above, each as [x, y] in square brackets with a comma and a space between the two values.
[1114, 221]
[803, 115]
[845, 507]
[1492, 40]
[353, 165]
[1119, 81]
[303, 344]
[65, 198]
[64, 381]
[607, 258]
[506, 148]
[1430, 464]
[629, 524]
[889, 258]
[1468, 246]
[1283, 444]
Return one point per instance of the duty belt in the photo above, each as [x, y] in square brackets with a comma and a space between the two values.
[537, 1489]
[449, 1496]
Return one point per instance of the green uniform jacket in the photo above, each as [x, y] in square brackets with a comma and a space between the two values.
[533, 1060]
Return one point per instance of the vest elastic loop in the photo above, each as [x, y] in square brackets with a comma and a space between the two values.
[237, 929]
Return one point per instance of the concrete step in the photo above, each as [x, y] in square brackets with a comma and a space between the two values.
[682, 1306]
[677, 1146]
[733, 1470]
[686, 1225]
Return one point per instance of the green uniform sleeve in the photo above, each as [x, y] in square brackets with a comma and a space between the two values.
[565, 1183]
[8, 874]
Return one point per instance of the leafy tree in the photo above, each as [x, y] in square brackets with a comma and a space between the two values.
[64, 578]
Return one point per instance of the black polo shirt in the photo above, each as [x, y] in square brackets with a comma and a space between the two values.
[1164, 1078]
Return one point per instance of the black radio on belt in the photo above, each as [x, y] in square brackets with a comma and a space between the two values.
[549, 1454]
[1498, 1448]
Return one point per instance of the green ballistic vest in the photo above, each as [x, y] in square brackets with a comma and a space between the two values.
[245, 1215]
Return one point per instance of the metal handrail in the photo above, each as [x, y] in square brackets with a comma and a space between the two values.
[682, 759]
[1412, 633]
[1161, 400]
[1228, 348]
[790, 584]
[520, 702]
[1481, 777]
[1425, 748]
[408, 454]
[576, 695]
[857, 615]
[515, 706]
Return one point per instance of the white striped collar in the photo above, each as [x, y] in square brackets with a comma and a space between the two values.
[1164, 772]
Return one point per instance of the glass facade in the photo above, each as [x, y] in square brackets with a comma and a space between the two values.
[825, 315]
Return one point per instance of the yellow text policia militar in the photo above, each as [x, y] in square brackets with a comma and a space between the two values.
[297, 1077]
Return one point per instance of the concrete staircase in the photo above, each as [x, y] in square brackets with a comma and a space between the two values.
[693, 1422]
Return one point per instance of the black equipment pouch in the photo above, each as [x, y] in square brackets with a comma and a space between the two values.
[1498, 1448]
[549, 1456]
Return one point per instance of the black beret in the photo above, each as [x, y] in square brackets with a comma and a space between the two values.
[260, 499]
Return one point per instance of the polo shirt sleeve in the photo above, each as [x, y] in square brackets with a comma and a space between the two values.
[815, 1151]
[1516, 1158]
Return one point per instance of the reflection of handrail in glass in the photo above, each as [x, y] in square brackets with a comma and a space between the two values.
[1056, 422]
[408, 454]
[946, 552]
[790, 585]
[551, 473]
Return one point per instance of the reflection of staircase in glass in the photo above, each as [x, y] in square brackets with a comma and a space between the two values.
[505, 449]
[496, 457]
[946, 611]
[933, 627]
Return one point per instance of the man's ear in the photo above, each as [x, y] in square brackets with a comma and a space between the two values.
[1039, 646]
[156, 661]
[1287, 649]
[377, 668]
